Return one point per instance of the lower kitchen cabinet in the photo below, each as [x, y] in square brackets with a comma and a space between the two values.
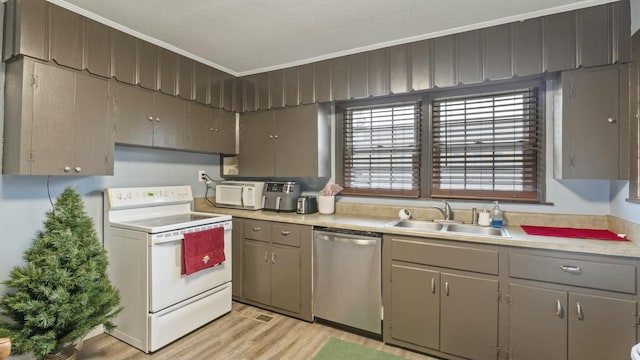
[276, 267]
[443, 297]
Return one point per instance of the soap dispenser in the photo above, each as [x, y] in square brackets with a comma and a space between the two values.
[496, 216]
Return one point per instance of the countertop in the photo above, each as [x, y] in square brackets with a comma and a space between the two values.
[377, 224]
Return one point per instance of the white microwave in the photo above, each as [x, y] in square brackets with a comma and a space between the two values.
[240, 194]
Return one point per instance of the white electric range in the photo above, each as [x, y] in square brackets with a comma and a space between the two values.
[143, 232]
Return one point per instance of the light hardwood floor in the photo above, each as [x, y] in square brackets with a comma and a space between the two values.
[238, 335]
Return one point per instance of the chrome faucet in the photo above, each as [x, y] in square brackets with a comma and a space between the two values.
[445, 210]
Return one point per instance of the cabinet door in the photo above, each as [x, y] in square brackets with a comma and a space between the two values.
[420, 57]
[96, 48]
[236, 258]
[66, 37]
[591, 121]
[559, 41]
[169, 129]
[469, 316]
[469, 57]
[307, 93]
[378, 76]
[339, 78]
[357, 86]
[224, 131]
[291, 92]
[537, 323]
[415, 306]
[134, 115]
[93, 130]
[215, 87]
[201, 80]
[25, 29]
[124, 57]
[147, 65]
[296, 142]
[285, 278]
[185, 78]
[276, 88]
[257, 278]
[256, 156]
[527, 47]
[53, 106]
[444, 61]
[600, 327]
[594, 36]
[200, 128]
[322, 80]
[398, 69]
[168, 72]
[497, 52]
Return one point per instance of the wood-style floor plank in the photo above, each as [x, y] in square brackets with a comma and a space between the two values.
[238, 335]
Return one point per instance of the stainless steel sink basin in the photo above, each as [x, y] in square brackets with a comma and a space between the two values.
[477, 230]
[416, 225]
[449, 227]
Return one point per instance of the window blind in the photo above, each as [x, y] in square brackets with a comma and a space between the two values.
[487, 146]
[382, 150]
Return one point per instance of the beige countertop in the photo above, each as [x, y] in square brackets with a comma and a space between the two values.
[377, 224]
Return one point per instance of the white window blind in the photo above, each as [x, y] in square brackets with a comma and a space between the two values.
[488, 146]
[382, 150]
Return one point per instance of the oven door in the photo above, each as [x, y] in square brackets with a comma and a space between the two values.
[167, 285]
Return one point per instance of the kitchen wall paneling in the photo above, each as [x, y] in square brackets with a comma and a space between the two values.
[398, 69]
[378, 72]
[306, 84]
[559, 41]
[496, 52]
[65, 29]
[339, 78]
[123, 54]
[469, 57]
[168, 70]
[322, 80]
[358, 79]
[291, 86]
[444, 64]
[185, 78]
[96, 48]
[201, 83]
[147, 68]
[527, 47]
[420, 55]
[276, 88]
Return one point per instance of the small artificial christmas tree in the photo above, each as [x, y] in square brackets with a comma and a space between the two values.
[63, 291]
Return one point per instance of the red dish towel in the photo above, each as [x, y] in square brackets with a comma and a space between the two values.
[202, 249]
[572, 233]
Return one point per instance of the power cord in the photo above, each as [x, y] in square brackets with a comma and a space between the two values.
[207, 181]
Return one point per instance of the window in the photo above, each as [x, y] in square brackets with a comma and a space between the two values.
[382, 150]
[487, 146]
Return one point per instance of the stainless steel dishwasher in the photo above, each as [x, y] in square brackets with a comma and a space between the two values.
[347, 278]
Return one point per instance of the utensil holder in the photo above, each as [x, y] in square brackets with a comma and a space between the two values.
[326, 204]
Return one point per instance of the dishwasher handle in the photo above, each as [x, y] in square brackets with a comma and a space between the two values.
[346, 239]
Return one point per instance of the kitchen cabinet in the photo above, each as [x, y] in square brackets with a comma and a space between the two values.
[185, 78]
[66, 37]
[591, 140]
[124, 57]
[96, 48]
[497, 52]
[322, 80]
[276, 263]
[307, 84]
[56, 121]
[147, 65]
[559, 41]
[444, 61]
[421, 60]
[469, 56]
[357, 86]
[527, 47]
[378, 72]
[339, 78]
[442, 297]
[25, 29]
[149, 118]
[201, 74]
[211, 130]
[289, 142]
[276, 88]
[291, 86]
[168, 70]
[571, 307]
[398, 69]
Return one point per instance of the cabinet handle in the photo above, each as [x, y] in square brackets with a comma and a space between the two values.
[571, 269]
[213, 130]
[78, 169]
[270, 136]
[579, 315]
[157, 119]
[559, 309]
[433, 286]
[266, 256]
[611, 120]
[273, 257]
[150, 118]
[275, 136]
[285, 233]
[446, 288]
[67, 169]
[256, 229]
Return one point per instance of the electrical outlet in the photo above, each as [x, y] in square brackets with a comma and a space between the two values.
[201, 175]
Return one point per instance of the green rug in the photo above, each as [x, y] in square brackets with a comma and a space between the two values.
[336, 349]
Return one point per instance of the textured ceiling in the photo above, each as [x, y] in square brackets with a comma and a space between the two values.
[249, 36]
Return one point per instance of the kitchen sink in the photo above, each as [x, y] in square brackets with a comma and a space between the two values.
[448, 227]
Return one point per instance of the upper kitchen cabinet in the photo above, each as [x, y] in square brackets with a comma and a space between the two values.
[469, 57]
[497, 52]
[124, 57]
[559, 41]
[289, 142]
[96, 48]
[357, 70]
[147, 61]
[398, 69]
[307, 84]
[250, 93]
[185, 78]
[211, 130]
[591, 140]
[602, 34]
[25, 29]
[527, 47]
[56, 121]
[291, 86]
[168, 70]
[420, 59]
[149, 118]
[339, 78]
[276, 88]
[378, 80]
[202, 74]
[262, 91]
[322, 80]
[444, 64]
[216, 80]
[65, 37]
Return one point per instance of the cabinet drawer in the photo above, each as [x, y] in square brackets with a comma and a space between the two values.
[256, 230]
[591, 274]
[286, 235]
[448, 256]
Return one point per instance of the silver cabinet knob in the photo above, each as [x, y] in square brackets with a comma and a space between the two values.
[275, 136]
[78, 169]
[213, 130]
[157, 119]
[67, 169]
[611, 120]
[150, 118]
